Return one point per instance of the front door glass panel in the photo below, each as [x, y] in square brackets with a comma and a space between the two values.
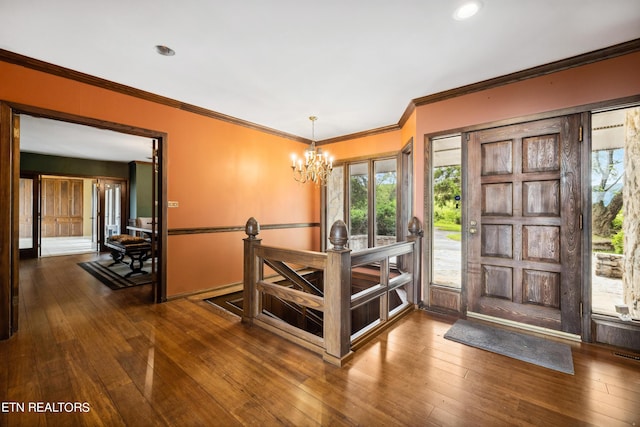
[447, 212]
[615, 197]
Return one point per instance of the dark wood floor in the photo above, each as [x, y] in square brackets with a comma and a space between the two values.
[183, 363]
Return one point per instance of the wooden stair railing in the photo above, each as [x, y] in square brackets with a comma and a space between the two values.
[290, 274]
[335, 301]
[308, 318]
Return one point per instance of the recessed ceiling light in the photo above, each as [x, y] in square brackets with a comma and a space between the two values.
[466, 10]
[165, 50]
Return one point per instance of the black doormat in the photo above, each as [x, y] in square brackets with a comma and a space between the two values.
[113, 276]
[230, 302]
[539, 351]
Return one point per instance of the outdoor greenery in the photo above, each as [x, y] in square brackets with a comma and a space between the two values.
[446, 210]
[359, 204]
[447, 183]
[447, 226]
[617, 240]
[447, 214]
[385, 202]
[607, 173]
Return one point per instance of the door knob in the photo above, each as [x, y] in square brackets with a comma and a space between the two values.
[473, 227]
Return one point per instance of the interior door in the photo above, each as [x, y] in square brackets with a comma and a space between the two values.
[62, 201]
[28, 216]
[524, 221]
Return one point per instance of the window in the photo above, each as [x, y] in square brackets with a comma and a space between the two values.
[446, 181]
[615, 180]
[385, 190]
[358, 224]
[364, 194]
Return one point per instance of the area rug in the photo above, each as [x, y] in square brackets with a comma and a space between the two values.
[230, 302]
[528, 348]
[113, 276]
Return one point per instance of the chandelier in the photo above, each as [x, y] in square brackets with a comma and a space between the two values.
[316, 166]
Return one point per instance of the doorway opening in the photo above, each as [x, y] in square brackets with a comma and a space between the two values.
[66, 215]
[125, 169]
[63, 214]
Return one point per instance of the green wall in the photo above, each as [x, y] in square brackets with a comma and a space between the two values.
[139, 175]
[56, 165]
[140, 194]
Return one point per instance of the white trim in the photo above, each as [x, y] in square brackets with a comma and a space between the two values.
[531, 328]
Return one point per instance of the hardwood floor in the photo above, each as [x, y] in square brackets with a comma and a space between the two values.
[185, 363]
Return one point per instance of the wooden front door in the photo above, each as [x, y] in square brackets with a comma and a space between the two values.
[524, 223]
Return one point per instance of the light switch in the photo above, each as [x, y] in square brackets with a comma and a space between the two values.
[173, 204]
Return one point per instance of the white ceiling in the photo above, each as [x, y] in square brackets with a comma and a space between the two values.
[355, 64]
[56, 138]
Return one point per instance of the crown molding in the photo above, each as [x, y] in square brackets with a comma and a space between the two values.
[362, 134]
[538, 71]
[552, 67]
[67, 73]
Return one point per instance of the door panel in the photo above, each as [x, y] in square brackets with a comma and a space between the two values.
[48, 224]
[62, 201]
[524, 243]
[28, 238]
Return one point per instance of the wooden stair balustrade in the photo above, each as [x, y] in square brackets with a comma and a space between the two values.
[348, 318]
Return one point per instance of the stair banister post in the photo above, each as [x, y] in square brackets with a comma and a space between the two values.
[337, 297]
[251, 272]
[415, 235]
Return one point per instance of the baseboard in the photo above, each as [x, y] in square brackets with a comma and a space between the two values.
[210, 292]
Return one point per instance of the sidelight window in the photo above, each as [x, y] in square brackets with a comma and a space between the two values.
[615, 195]
[446, 184]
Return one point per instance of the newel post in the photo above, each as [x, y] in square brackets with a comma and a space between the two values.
[251, 271]
[415, 235]
[337, 297]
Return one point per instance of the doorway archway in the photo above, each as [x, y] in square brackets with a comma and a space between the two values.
[10, 179]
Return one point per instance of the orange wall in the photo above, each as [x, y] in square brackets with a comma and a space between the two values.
[220, 173]
[366, 146]
[602, 81]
